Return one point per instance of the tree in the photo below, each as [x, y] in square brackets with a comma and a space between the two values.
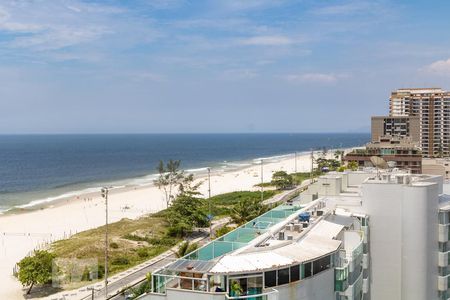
[186, 210]
[170, 176]
[246, 210]
[338, 155]
[352, 165]
[184, 214]
[185, 248]
[282, 180]
[36, 269]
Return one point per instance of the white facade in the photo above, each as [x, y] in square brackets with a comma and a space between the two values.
[403, 236]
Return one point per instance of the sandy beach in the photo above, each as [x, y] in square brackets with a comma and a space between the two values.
[20, 233]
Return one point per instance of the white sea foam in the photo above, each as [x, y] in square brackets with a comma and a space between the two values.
[146, 181]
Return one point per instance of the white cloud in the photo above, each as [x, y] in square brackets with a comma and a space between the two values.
[314, 78]
[238, 5]
[53, 25]
[441, 67]
[267, 40]
[147, 76]
[238, 74]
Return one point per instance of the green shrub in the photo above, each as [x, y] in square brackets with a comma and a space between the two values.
[100, 271]
[134, 237]
[223, 230]
[120, 261]
[114, 245]
[142, 252]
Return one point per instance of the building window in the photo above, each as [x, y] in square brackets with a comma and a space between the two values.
[307, 270]
[283, 276]
[321, 264]
[295, 273]
[443, 247]
[270, 278]
[443, 217]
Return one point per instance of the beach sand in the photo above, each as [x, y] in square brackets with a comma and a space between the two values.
[20, 233]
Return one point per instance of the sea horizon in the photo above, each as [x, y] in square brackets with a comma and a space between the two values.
[42, 168]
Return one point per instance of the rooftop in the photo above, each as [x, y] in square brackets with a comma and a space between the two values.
[276, 238]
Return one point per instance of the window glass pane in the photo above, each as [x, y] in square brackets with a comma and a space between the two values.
[295, 273]
[254, 285]
[283, 276]
[270, 278]
[308, 270]
[321, 264]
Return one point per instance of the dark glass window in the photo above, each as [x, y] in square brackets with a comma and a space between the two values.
[321, 264]
[308, 270]
[295, 273]
[270, 278]
[283, 276]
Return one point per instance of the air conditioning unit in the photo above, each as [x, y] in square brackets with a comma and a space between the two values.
[298, 227]
[281, 235]
[290, 237]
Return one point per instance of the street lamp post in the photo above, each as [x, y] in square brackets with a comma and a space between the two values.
[209, 203]
[262, 182]
[105, 196]
[295, 161]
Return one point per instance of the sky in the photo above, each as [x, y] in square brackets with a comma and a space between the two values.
[225, 66]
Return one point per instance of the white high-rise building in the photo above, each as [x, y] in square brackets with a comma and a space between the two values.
[353, 235]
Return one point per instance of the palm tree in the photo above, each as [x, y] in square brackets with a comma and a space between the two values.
[185, 248]
[246, 210]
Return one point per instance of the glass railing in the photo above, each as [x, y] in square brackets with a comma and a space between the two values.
[271, 294]
[341, 278]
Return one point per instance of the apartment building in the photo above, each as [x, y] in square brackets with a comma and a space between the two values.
[436, 166]
[401, 151]
[353, 235]
[400, 126]
[432, 106]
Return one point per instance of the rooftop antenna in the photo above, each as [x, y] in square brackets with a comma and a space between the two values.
[379, 163]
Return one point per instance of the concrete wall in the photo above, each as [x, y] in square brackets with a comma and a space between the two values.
[436, 167]
[320, 286]
[174, 294]
[419, 240]
[403, 239]
[383, 203]
[357, 178]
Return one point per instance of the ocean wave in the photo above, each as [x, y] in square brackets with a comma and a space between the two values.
[197, 170]
[145, 180]
[277, 157]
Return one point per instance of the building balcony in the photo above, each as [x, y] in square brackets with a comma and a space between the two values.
[443, 259]
[443, 283]
[270, 294]
[443, 233]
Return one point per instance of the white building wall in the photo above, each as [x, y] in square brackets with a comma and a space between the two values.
[175, 294]
[357, 178]
[320, 286]
[403, 239]
[419, 242]
[383, 203]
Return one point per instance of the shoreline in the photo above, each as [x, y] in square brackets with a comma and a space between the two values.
[22, 232]
[138, 182]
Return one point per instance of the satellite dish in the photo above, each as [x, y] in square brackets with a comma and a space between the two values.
[379, 162]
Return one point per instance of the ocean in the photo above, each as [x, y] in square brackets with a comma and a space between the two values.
[43, 168]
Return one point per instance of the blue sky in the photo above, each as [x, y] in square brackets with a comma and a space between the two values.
[73, 66]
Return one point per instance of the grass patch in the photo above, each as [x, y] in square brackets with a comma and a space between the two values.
[131, 242]
[222, 204]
